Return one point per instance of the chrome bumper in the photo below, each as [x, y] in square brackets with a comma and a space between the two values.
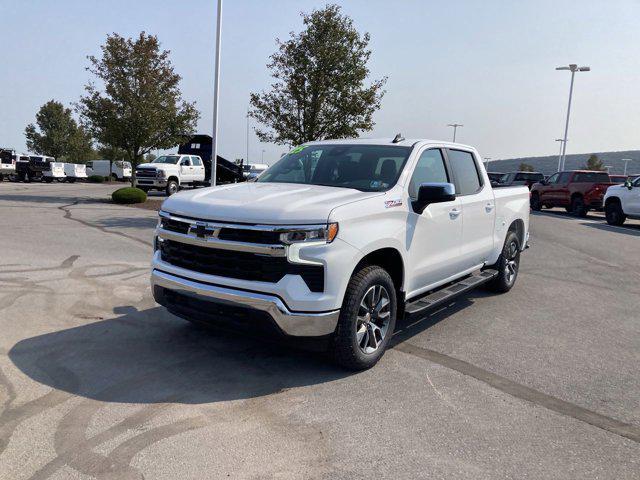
[299, 324]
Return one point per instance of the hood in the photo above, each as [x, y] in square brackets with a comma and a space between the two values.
[267, 203]
[160, 166]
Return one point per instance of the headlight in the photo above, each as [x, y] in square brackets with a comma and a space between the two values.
[313, 233]
[160, 174]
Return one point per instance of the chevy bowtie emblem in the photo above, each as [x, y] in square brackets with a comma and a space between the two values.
[201, 230]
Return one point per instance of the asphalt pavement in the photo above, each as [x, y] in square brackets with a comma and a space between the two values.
[97, 381]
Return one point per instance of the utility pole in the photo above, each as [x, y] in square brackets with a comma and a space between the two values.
[247, 157]
[626, 161]
[487, 160]
[560, 153]
[573, 68]
[455, 128]
[216, 95]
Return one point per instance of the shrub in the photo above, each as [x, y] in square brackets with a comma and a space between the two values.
[129, 195]
[95, 179]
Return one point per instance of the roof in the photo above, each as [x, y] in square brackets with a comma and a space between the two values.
[408, 142]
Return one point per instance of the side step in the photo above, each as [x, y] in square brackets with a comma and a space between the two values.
[450, 291]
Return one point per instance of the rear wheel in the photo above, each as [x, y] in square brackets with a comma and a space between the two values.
[614, 213]
[578, 208]
[367, 319]
[507, 265]
[535, 202]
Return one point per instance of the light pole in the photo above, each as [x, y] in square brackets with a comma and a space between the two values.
[560, 153]
[573, 68]
[487, 160]
[608, 167]
[247, 157]
[262, 161]
[455, 128]
[626, 161]
[216, 94]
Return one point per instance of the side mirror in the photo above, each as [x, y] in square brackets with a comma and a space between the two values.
[628, 184]
[429, 193]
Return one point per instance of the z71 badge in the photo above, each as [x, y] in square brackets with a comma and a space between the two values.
[393, 203]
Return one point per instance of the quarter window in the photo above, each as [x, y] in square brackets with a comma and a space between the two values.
[429, 169]
[465, 171]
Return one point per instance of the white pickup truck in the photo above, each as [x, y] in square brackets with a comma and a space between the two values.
[170, 172]
[337, 240]
[622, 202]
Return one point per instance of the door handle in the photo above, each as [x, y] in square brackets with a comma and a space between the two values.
[488, 207]
[455, 213]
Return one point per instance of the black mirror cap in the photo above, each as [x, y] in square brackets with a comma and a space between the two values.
[429, 193]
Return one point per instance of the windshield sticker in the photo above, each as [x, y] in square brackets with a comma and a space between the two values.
[376, 184]
[393, 203]
[297, 149]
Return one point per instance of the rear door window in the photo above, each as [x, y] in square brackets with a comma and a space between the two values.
[591, 177]
[465, 172]
[196, 161]
[564, 178]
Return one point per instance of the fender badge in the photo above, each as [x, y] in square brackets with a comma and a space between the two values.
[392, 203]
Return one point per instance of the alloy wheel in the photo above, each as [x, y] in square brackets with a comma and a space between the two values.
[373, 318]
[511, 266]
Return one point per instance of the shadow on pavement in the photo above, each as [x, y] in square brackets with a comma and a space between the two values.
[127, 222]
[150, 356]
[633, 230]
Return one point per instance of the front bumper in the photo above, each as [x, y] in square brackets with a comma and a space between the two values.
[151, 182]
[299, 324]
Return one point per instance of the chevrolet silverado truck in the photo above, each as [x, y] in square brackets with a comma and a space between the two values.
[339, 239]
[577, 191]
[170, 172]
[622, 202]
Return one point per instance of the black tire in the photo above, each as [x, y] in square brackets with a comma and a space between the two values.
[614, 213]
[535, 202]
[27, 178]
[578, 208]
[1, 177]
[568, 209]
[349, 345]
[172, 187]
[507, 265]
[47, 179]
[71, 179]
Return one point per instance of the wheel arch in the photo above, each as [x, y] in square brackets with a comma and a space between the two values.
[388, 258]
[612, 199]
[173, 177]
[518, 227]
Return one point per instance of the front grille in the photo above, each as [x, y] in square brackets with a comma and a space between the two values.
[250, 236]
[239, 265]
[175, 226]
[146, 172]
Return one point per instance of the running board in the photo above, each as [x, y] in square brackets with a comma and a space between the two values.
[444, 294]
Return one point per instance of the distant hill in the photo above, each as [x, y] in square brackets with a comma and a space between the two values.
[549, 165]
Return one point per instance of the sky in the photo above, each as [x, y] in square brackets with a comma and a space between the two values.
[487, 64]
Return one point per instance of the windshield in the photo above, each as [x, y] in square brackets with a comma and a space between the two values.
[369, 168]
[172, 159]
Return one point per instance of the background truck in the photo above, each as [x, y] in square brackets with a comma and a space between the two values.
[622, 202]
[578, 191]
[54, 171]
[521, 178]
[226, 171]
[337, 240]
[75, 171]
[170, 173]
[31, 169]
[7, 162]
[117, 170]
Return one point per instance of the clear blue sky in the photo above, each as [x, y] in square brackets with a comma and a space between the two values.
[486, 64]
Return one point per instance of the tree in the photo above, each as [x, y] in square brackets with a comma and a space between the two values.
[525, 167]
[594, 163]
[140, 107]
[57, 134]
[319, 89]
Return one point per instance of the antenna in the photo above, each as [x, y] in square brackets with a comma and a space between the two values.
[398, 138]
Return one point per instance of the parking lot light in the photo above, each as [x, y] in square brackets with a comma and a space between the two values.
[573, 68]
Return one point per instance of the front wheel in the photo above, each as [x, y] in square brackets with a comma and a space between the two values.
[614, 213]
[172, 187]
[507, 265]
[367, 319]
[535, 202]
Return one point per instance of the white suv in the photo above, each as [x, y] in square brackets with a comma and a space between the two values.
[170, 172]
[622, 202]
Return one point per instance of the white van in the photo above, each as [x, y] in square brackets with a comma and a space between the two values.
[54, 172]
[75, 171]
[120, 170]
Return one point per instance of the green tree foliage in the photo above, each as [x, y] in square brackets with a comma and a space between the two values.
[594, 163]
[525, 167]
[57, 134]
[319, 86]
[136, 106]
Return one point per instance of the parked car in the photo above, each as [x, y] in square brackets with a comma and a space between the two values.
[31, 168]
[337, 240]
[120, 169]
[495, 177]
[75, 171]
[253, 169]
[622, 202]
[578, 191]
[521, 178]
[170, 172]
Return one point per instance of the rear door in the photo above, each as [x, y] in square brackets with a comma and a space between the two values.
[433, 237]
[562, 197]
[478, 207]
[631, 202]
[198, 169]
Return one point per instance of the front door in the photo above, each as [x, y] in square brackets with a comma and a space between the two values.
[433, 237]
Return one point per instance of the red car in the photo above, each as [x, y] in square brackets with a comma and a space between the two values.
[578, 191]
